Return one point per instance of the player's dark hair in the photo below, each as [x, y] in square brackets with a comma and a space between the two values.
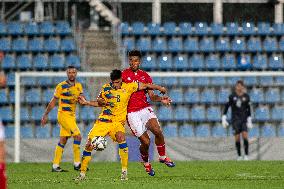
[241, 82]
[115, 74]
[71, 67]
[134, 53]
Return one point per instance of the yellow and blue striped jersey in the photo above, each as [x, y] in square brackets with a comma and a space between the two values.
[117, 101]
[68, 96]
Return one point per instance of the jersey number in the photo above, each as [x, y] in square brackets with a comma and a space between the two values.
[118, 98]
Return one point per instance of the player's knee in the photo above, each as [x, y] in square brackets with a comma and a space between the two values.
[88, 146]
[78, 137]
[145, 142]
[63, 140]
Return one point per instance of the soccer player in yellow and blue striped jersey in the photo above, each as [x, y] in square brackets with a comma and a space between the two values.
[112, 118]
[66, 93]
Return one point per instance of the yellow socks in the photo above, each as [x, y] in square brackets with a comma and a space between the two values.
[58, 154]
[76, 152]
[86, 158]
[123, 153]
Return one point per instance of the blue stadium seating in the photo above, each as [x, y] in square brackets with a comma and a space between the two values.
[270, 44]
[55, 131]
[3, 97]
[7, 111]
[9, 131]
[165, 62]
[219, 131]
[5, 44]
[238, 44]
[165, 113]
[202, 81]
[256, 96]
[63, 28]
[25, 115]
[186, 130]
[272, 95]
[250, 81]
[24, 62]
[263, 28]
[254, 132]
[191, 45]
[12, 96]
[228, 62]
[268, 131]
[31, 28]
[281, 131]
[180, 62]
[196, 62]
[244, 62]
[281, 44]
[254, 45]
[68, 45]
[52, 116]
[170, 130]
[3, 29]
[144, 44]
[213, 114]
[185, 28]
[212, 62]
[153, 29]
[232, 28]
[73, 60]
[169, 81]
[192, 96]
[46, 28]
[19, 45]
[42, 132]
[277, 113]
[37, 112]
[15, 28]
[208, 96]
[262, 113]
[8, 62]
[248, 28]
[124, 28]
[51, 45]
[176, 95]
[222, 44]
[201, 28]
[198, 113]
[27, 131]
[202, 131]
[207, 45]
[35, 45]
[138, 28]
[33, 96]
[169, 28]
[57, 62]
[275, 62]
[175, 45]
[216, 29]
[40, 62]
[223, 95]
[149, 62]
[181, 113]
[260, 62]
[29, 81]
[159, 44]
[87, 114]
[128, 43]
[278, 29]
[186, 81]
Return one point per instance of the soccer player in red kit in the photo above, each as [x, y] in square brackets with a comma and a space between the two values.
[140, 115]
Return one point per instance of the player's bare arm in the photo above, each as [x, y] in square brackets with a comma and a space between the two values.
[2, 79]
[99, 103]
[49, 107]
[143, 86]
[165, 100]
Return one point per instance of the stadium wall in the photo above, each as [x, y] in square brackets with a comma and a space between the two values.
[182, 149]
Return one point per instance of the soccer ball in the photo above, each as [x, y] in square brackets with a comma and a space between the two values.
[99, 143]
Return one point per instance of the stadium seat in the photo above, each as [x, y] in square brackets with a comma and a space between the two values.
[254, 132]
[238, 44]
[144, 44]
[3, 97]
[254, 45]
[275, 62]
[268, 131]
[159, 44]
[279, 81]
[198, 113]
[256, 96]
[278, 29]
[208, 96]
[262, 113]
[175, 45]
[281, 44]
[27, 131]
[192, 96]
[186, 81]
[51, 45]
[73, 60]
[266, 81]
[33, 96]
[186, 130]
[228, 62]
[29, 81]
[42, 132]
[15, 28]
[52, 116]
[56, 131]
[138, 28]
[232, 28]
[212, 62]
[270, 44]
[218, 81]
[248, 28]
[191, 45]
[202, 81]
[176, 95]
[244, 62]
[5, 44]
[62, 28]
[170, 130]
[263, 28]
[169, 28]
[68, 45]
[87, 114]
[222, 44]
[214, 113]
[206, 45]
[165, 113]
[3, 29]
[44, 81]
[57, 62]
[259, 62]
[157, 80]
[165, 62]
[31, 28]
[219, 131]
[202, 131]
[196, 62]
[272, 96]
[153, 29]
[216, 29]
[128, 43]
[201, 28]
[181, 113]
[180, 62]
[7, 111]
[40, 62]
[149, 62]
[223, 96]
[19, 45]
[8, 62]
[169, 81]
[124, 28]
[250, 81]
[35, 45]
[12, 96]
[185, 28]
[277, 113]
[9, 131]
[232, 80]
[46, 28]
[24, 62]
[37, 112]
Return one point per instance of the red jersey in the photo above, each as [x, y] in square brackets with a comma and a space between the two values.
[138, 100]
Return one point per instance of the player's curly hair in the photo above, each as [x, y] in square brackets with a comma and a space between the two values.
[134, 53]
[241, 82]
[115, 74]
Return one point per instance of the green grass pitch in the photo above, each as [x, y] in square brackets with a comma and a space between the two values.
[193, 174]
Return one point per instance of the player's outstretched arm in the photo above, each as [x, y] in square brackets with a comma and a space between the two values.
[143, 86]
[49, 107]
[99, 103]
[165, 100]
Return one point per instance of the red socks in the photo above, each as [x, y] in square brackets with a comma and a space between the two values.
[2, 176]
[161, 149]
